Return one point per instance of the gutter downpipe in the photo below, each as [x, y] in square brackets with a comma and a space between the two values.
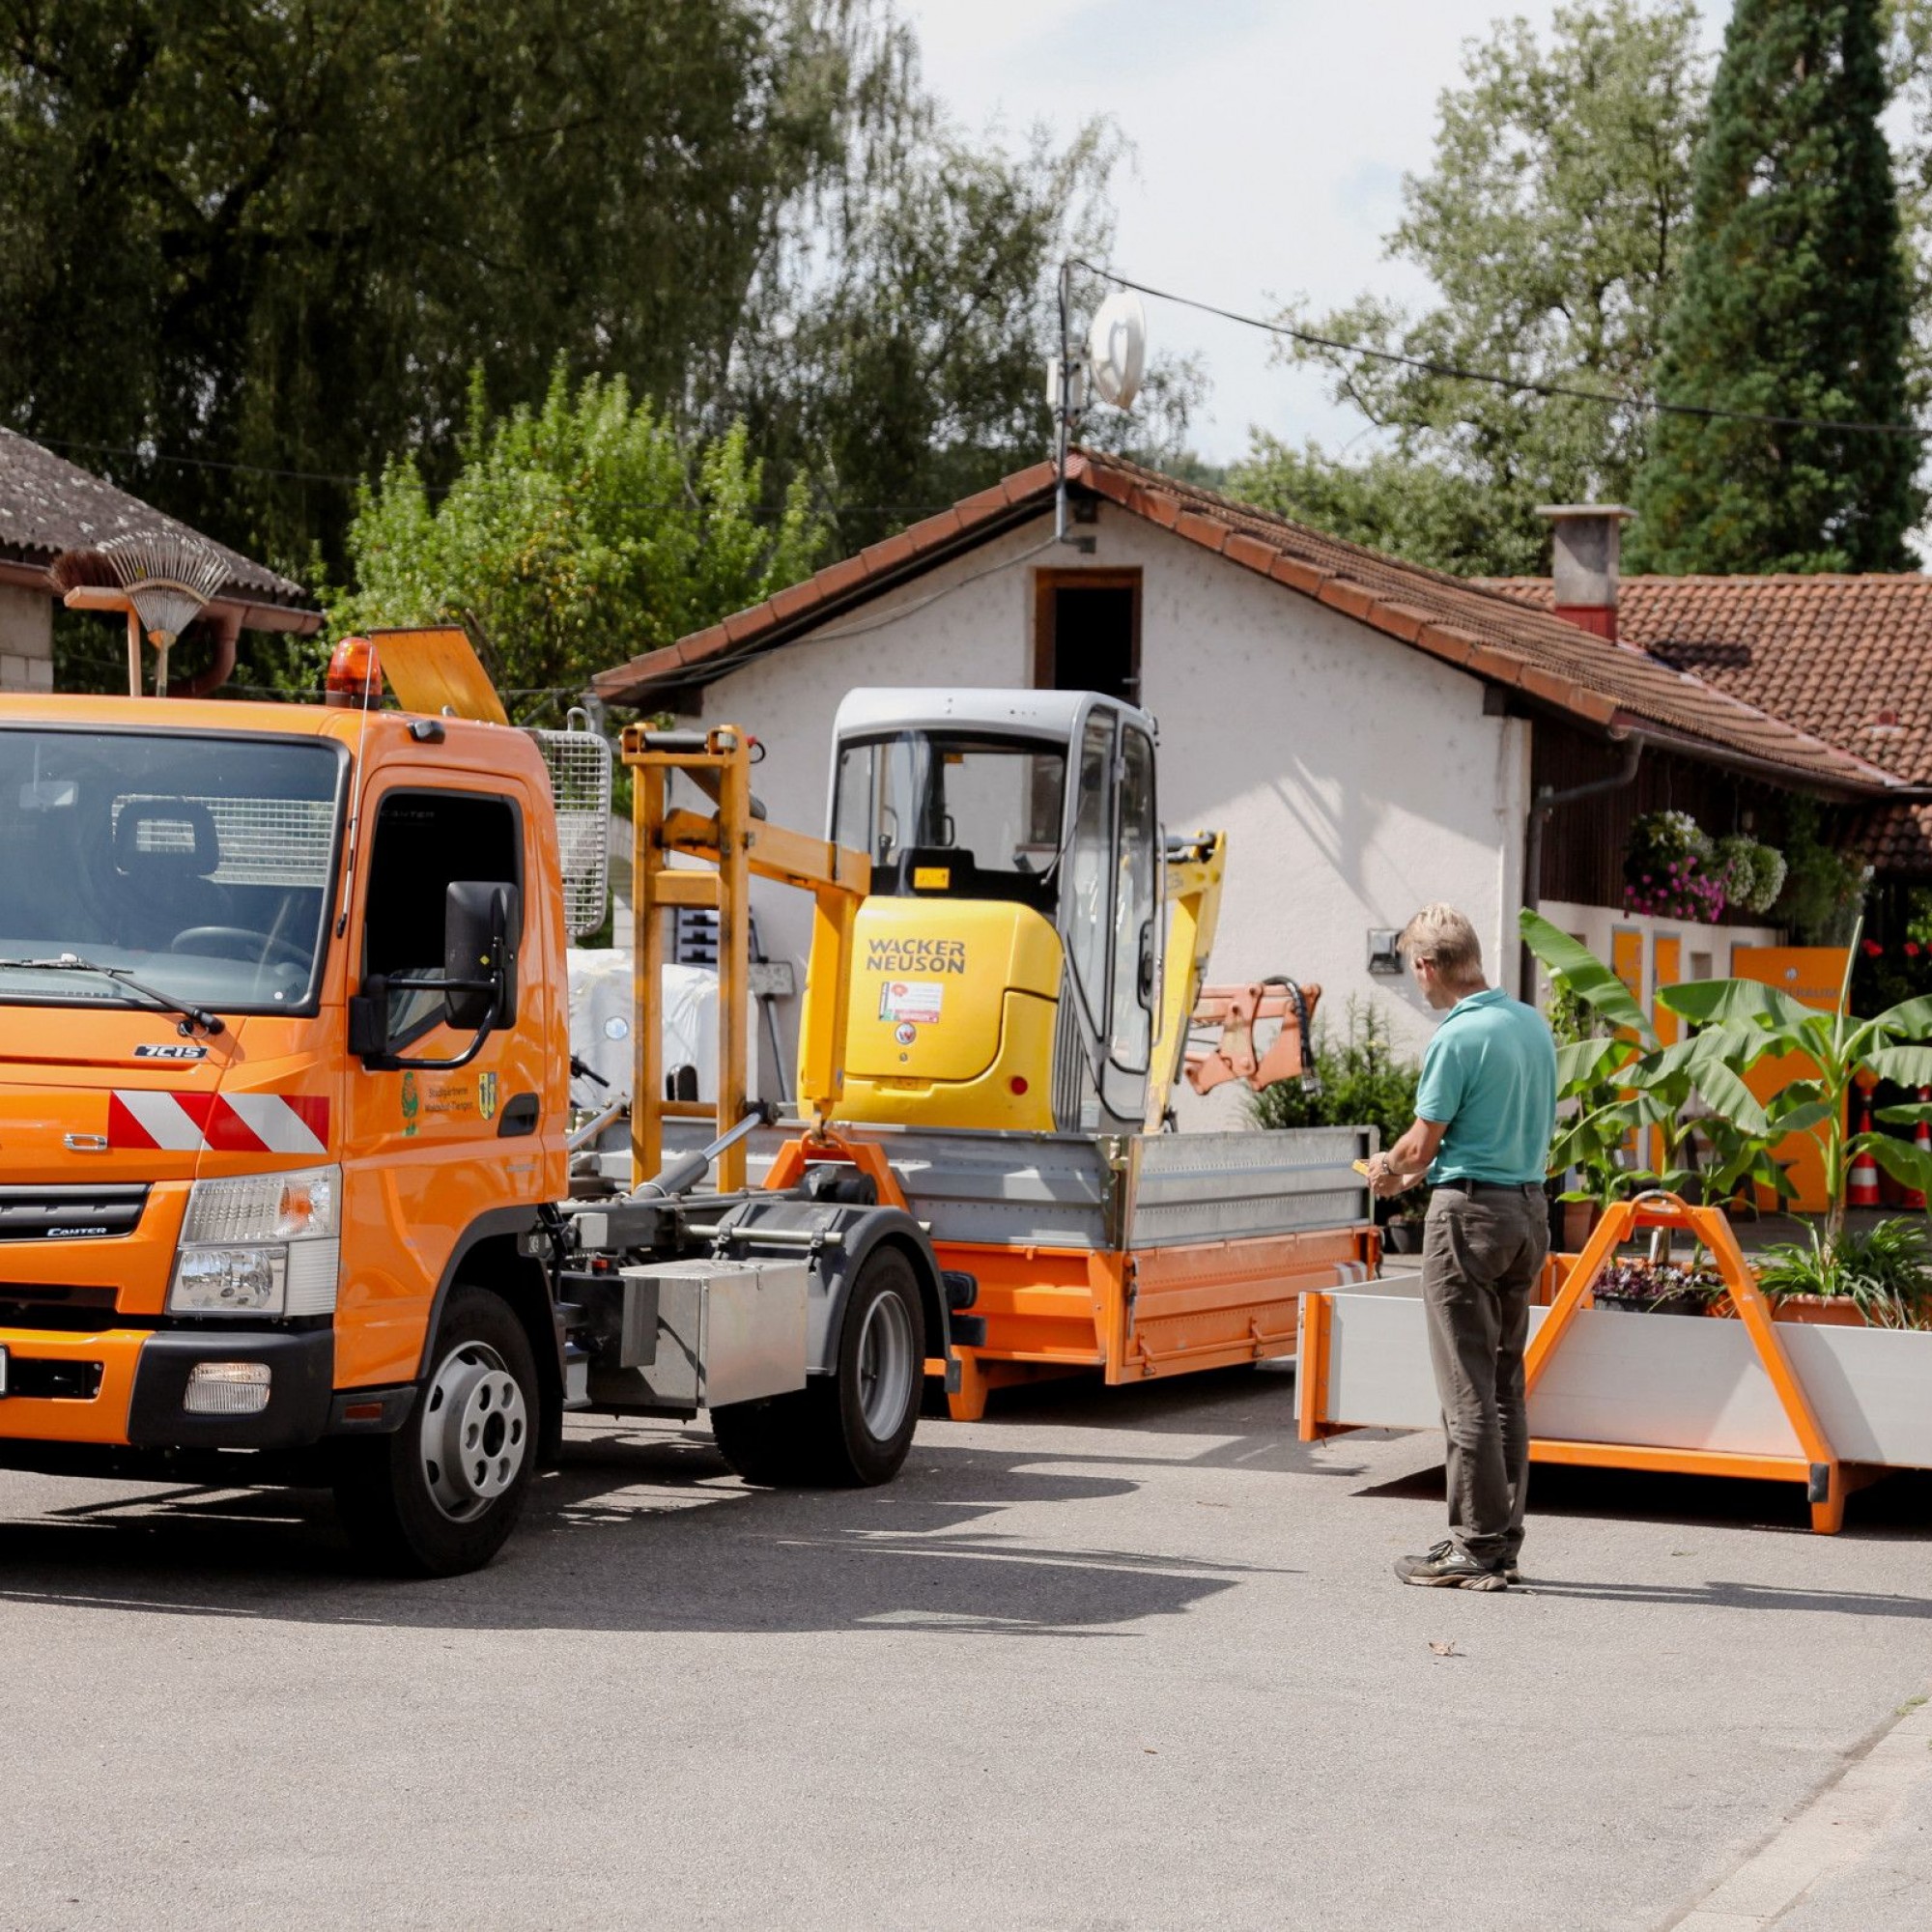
[1545, 802]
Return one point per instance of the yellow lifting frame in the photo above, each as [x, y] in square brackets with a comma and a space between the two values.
[735, 846]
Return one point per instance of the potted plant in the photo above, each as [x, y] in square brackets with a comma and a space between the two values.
[1872, 1278]
[1671, 870]
[1657, 1287]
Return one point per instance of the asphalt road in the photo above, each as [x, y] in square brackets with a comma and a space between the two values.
[1107, 1659]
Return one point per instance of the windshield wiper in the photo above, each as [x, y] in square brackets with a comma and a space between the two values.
[193, 1016]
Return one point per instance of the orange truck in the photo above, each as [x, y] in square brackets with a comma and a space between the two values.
[285, 1141]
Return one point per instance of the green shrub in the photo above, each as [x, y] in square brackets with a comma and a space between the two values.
[1362, 1082]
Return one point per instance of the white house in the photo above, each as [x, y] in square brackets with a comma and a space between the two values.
[1372, 735]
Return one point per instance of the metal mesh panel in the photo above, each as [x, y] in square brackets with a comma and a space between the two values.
[579, 782]
[264, 841]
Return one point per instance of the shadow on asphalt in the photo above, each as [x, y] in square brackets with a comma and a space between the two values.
[1251, 1406]
[1896, 1507]
[638, 1531]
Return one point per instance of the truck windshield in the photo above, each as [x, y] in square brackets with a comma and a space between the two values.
[199, 864]
[964, 814]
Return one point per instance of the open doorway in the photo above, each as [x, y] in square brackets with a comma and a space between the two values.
[1086, 632]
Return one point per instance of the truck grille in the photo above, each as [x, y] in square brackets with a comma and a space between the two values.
[69, 1214]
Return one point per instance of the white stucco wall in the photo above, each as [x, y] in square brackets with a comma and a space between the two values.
[1356, 776]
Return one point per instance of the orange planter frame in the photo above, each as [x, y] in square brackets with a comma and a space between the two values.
[1818, 1468]
[1827, 1478]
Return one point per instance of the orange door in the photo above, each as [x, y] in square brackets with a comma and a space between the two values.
[428, 1154]
[1812, 975]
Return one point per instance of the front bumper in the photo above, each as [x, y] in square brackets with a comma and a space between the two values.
[139, 1376]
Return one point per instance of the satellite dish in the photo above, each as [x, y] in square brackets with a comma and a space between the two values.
[1117, 348]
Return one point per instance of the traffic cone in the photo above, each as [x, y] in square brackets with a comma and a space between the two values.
[1922, 1139]
[1864, 1190]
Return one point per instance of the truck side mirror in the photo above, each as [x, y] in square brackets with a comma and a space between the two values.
[479, 949]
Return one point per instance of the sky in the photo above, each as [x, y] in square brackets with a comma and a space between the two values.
[1269, 138]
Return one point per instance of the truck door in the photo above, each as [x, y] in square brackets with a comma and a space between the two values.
[430, 1153]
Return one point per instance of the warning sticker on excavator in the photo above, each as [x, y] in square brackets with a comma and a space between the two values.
[913, 1001]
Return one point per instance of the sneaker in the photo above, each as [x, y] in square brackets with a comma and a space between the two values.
[1445, 1568]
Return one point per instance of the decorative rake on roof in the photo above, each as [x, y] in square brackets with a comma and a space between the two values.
[162, 580]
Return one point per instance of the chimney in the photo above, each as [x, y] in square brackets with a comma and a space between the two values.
[1584, 566]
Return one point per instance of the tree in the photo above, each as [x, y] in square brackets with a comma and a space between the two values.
[896, 352]
[1552, 223]
[573, 537]
[281, 237]
[249, 254]
[1794, 301]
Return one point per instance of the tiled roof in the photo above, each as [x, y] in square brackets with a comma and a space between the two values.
[1848, 659]
[48, 505]
[1481, 629]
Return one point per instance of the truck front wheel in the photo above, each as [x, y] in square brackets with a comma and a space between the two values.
[852, 1427]
[441, 1495]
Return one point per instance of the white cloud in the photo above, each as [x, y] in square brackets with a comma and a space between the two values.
[1270, 138]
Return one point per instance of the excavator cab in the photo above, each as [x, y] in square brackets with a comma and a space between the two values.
[1006, 965]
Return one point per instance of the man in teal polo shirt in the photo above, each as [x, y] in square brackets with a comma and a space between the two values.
[1486, 1109]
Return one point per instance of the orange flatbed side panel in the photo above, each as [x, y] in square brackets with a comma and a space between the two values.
[1155, 1311]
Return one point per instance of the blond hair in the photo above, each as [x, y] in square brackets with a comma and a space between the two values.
[1439, 934]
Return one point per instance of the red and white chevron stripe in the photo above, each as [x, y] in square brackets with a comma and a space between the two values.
[296, 1123]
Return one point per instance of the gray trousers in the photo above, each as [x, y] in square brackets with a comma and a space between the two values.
[1481, 1256]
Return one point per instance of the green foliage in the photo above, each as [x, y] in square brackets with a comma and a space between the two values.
[897, 357]
[1406, 506]
[1824, 891]
[1794, 301]
[573, 537]
[1621, 1084]
[284, 235]
[1361, 1082]
[1552, 222]
[1881, 1270]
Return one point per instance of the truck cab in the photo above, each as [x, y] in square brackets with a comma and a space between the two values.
[285, 1139]
[199, 903]
[1008, 965]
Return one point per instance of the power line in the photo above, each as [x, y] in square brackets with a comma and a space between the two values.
[150, 455]
[1516, 385]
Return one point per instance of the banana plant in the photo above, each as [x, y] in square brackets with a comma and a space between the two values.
[1745, 1022]
[1592, 1072]
[1632, 1081]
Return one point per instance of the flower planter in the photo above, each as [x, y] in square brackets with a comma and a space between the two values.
[1826, 1311]
[1403, 1238]
[1831, 1311]
[1656, 1304]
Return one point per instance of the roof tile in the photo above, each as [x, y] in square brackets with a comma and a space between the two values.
[48, 504]
[1493, 629]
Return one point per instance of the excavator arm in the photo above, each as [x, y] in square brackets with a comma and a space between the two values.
[1195, 868]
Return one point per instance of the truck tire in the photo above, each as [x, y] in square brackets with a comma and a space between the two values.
[441, 1495]
[851, 1428]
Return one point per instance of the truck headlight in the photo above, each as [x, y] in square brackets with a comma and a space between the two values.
[260, 1244]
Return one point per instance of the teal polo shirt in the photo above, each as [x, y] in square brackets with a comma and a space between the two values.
[1490, 1074]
